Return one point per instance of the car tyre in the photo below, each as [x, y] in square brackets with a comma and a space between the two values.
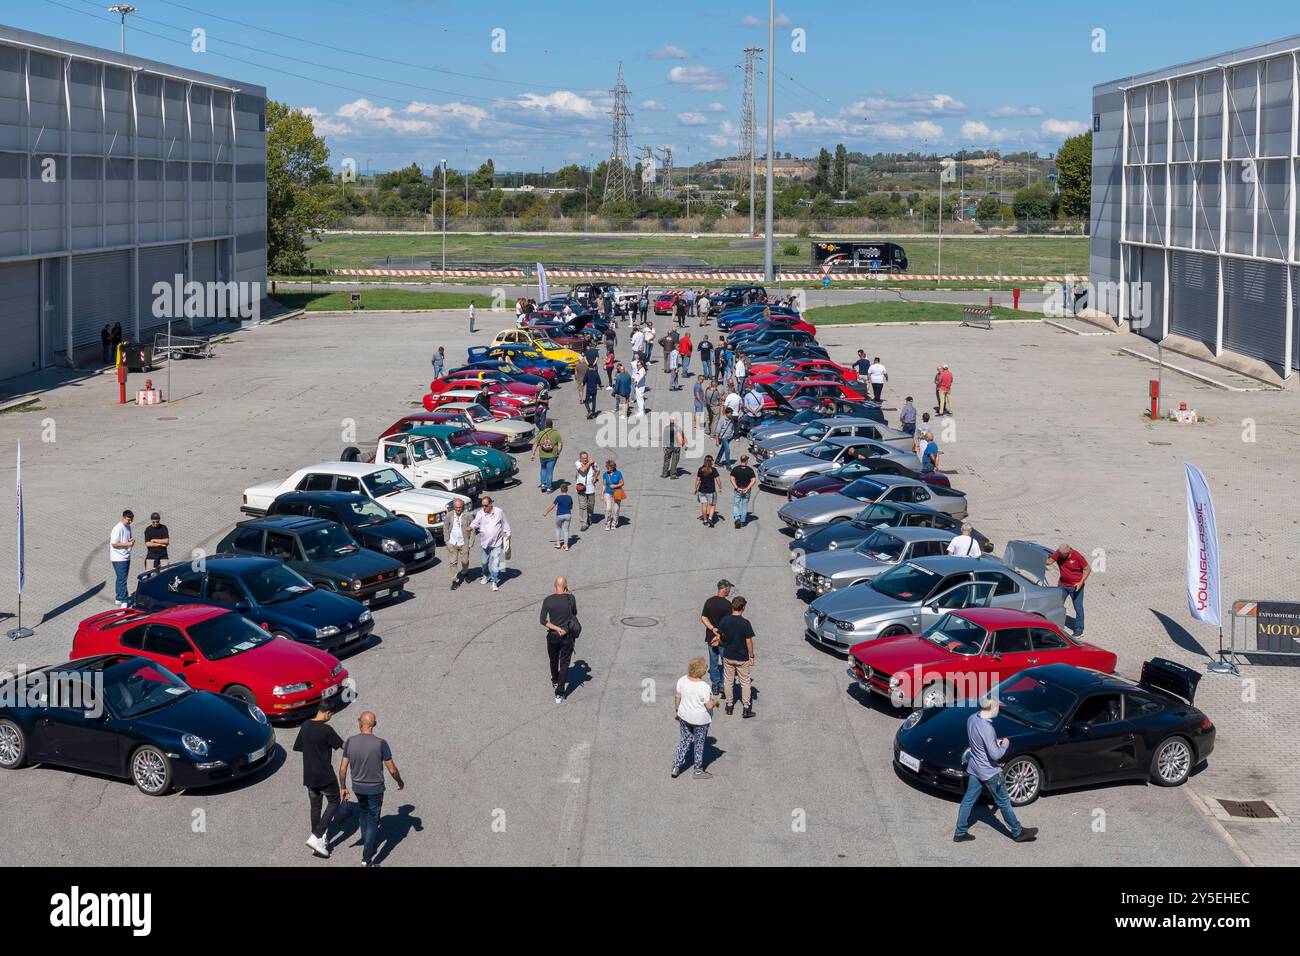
[936, 694]
[1171, 764]
[284, 634]
[240, 692]
[13, 746]
[151, 771]
[1024, 780]
[351, 453]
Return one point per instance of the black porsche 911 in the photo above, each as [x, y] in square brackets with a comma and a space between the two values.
[130, 717]
[1069, 727]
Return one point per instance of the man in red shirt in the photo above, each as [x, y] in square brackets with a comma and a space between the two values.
[1074, 570]
[944, 383]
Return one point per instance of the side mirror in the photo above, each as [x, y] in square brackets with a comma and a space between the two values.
[1078, 727]
[243, 606]
[187, 658]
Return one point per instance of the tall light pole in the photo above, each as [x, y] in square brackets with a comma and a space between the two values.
[122, 9]
[444, 220]
[938, 269]
[767, 207]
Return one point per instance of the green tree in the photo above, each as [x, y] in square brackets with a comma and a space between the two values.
[484, 177]
[988, 210]
[822, 180]
[1074, 176]
[297, 187]
[1033, 205]
[840, 182]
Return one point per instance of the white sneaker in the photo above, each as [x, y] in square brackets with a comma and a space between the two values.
[496, 587]
[559, 698]
[484, 579]
[318, 845]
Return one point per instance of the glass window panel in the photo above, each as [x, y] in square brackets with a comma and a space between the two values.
[1207, 206]
[1241, 117]
[1210, 129]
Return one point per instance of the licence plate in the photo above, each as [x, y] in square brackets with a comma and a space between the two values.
[908, 761]
[329, 691]
[421, 555]
[256, 755]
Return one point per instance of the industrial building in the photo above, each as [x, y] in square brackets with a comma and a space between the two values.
[1194, 203]
[116, 173]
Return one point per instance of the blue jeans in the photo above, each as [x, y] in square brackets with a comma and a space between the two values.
[724, 452]
[492, 562]
[548, 472]
[370, 805]
[740, 506]
[121, 573]
[997, 789]
[686, 366]
[1070, 594]
[715, 666]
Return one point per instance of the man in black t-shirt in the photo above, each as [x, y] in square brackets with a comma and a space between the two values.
[156, 539]
[716, 610]
[316, 741]
[737, 656]
[862, 365]
[742, 487]
[560, 618]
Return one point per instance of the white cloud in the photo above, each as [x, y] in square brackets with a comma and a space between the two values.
[651, 105]
[724, 138]
[561, 102]
[716, 108]
[670, 52]
[916, 130]
[1057, 127]
[781, 21]
[907, 105]
[703, 79]
[1006, 112]
[692, 119]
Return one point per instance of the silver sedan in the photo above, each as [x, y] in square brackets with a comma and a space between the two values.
[813, 511]
[782, 471]
[879, 551]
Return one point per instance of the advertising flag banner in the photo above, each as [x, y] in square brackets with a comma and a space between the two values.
[542, 294]
[1202, 550]
[22, 562]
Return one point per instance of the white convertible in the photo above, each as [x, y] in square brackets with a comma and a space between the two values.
[383, 483]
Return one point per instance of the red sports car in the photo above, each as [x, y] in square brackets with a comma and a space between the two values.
[215, 649]
[525, 392]
[467, 436]
[776, 322]
[832, 481]
[809, 368]
[814, 388]
[966, 653]
[666, 302]
[501, 405]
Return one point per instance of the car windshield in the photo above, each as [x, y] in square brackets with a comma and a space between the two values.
[956, 635]
[478, 413]
[1034, 702]
[329, 542]
[813, 431]
[876, 516]
[386, 481]
[907, 582]
[881, 546]
[824, 450]
[807, 415]
[426, 449]
[363, 513]
[544, 343]
[227, 635]
[274, 584]
[863, 490]
[137, 686]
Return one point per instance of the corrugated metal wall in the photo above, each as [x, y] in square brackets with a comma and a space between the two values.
[159, 264]
[1194, 296]
[101, 293]
[20, 318]
[1254, 309]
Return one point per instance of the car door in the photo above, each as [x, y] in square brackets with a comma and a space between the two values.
[1097, 744]
[1013, 650]
[1049, 647]
[165, 644]
[955, 592]
[224, 590]
[77, 727]
[1006, 592]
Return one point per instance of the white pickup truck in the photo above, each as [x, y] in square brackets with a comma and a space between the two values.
[424, 462]
[383, 483]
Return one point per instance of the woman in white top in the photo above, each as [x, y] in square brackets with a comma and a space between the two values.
[694, 702]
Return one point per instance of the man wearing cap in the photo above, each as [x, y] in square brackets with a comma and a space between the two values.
[1075, 571]
[715, 610]
[156, 539]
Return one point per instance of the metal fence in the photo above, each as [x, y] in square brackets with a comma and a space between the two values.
[1264, 632]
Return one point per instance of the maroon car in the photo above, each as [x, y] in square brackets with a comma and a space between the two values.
[466, 437]
[832, 481]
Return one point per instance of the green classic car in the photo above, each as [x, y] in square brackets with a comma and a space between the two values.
[497, 466]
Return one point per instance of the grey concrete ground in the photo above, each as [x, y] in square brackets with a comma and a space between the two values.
[1049, 443]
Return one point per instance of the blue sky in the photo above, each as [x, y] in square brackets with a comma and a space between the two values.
[398, 81]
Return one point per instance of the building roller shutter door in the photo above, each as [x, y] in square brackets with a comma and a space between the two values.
[1194, 296]
[159, 264]
[101, 294]
[1254, 309]
[203, 269]
[1152, 277]
[20, 318]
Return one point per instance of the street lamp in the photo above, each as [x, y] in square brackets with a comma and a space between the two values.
[122, 9]
[444, 220]
[767, 195]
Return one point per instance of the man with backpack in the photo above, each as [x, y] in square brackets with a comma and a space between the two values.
[547, 445]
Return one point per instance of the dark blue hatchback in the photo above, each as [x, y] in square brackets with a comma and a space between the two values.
[266, 592]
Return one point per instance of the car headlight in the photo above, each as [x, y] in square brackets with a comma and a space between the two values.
[195, 745]
[812, 493]
[428, 536]
[458, 483]
[843, 625]
[284, 689]
[390, 545]
[328, 631]
[433, 519]
[798, 534]
[895, 681]
[338, 669]
[834, 545]
[256, 713]
[365, 616]
[356, 585]
[912, 720]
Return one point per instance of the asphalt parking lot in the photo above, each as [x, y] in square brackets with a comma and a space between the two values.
[1049, 443]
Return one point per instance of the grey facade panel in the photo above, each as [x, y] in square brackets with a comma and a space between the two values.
[158, 264]
[101, 295]
[20, 318]
[1194, 296]
[1254, 309]
[1150, 274]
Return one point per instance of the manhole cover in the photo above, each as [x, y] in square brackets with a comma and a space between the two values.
[1248, 809]
[169, 418]
[639, 621]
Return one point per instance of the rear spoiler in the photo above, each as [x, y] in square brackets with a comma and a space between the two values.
[1169, 678]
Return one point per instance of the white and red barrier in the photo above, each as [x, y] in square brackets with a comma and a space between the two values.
[692, 276]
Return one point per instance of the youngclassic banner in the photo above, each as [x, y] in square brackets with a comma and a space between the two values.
[542, 292]
[1202, 550]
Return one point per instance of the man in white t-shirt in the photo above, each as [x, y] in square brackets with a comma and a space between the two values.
[120, 542]
[638, 343]
[585, 475]
[732, 401]
[877, 375]
[965, 545]
[638, 387]
[740, 374]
